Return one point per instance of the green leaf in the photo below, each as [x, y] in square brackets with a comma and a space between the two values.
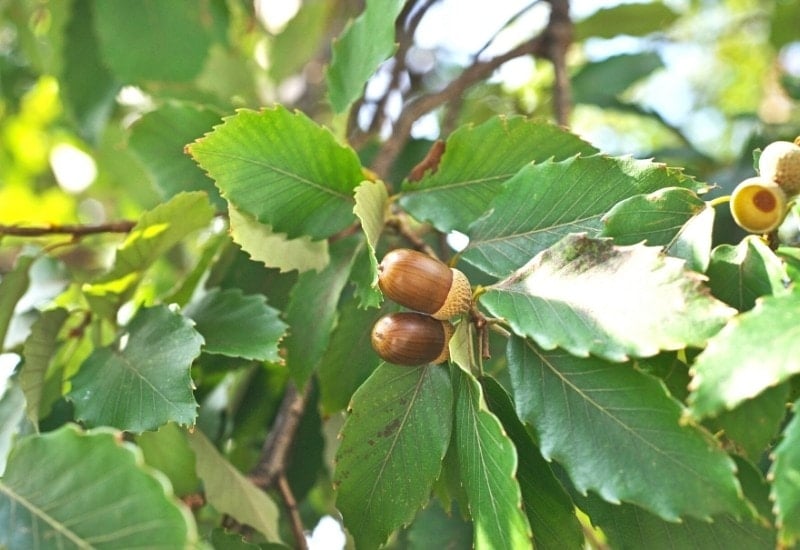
[740, 274]
[371, 198]
[487, 462]
[349, 360]
[230, 492]
[89, 88]
[157, 231]
[97, 494]
[311, 312]
[471, 173]
[753, 424]
[589, 296]
[435, 528]
[158, 139]
[617, 432]
[755, 351]
[549, 508]
[12, 286]
[631, 19]
[168, 452]
[142, 380]
[274, 249]
[362, 47]
[12, 419]
[392, 447]
[543, 202]
[236, 325]
[674, 218]
[300, 40]
[172, 38]
[602, 82]
[282, 169]
[785, 475]
[39, 384]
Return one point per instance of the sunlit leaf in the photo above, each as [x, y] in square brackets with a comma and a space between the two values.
[371, 197]
[80, 504]
[589, 296]
[237, 325]
[142, 380]
[487, 463]
[617, 432]
[362, 47]
[230, 492]
[471, 172]
[274, 249]
[392, 448]
[636, 19]
[543, 202]
[755, 351]
[282, 169]
[785, 475]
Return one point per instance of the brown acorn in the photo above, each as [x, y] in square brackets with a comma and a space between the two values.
[409, 338]
[419, 282]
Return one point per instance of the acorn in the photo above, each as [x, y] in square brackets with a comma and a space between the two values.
[419, 282]
[758, 205]
[780, 162]
[409, 338]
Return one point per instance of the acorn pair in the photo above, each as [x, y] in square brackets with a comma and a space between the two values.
[760, 204]
[435, 292]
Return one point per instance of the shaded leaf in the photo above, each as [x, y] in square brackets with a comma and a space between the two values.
[674, 218]
[631, 19]
[739, 274]
[607, 300]
[237, 325]
[549, 508]
[602, 82]
[230, 492]
[168, 452]
[274, 249]
[142, 380]
[12, 287]
[487, 463]
[435, 528]
[282, 169]
[371, 197]
[78, 505]
[311, 312]
[785, 476]
[617, 432]
[543, 202]
[176, 34]
[12, 419]
[158, 138]
[471, 173]
[362, 47]
[35, 378]
[392, 448]
[738, 364]
[300, 40]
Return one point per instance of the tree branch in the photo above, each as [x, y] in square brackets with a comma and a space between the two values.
[76, 230]
[558, 37]
[294, 514]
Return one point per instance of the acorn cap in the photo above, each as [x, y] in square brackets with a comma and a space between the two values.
[458, 300]
[780, 162]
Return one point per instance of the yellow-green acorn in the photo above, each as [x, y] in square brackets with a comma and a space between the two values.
[419, 282]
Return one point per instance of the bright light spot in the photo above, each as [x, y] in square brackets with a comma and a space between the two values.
[74, 169]
[132, 96]
[790, 58]
[275, 14]
[8, 362]
[517, 72]
[457, 240]
[327, 535]
[426, 127]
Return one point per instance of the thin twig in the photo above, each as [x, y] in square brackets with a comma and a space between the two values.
[558, 37]
[504, 26]
[294, 514]
[426, 103]
[76, 230]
